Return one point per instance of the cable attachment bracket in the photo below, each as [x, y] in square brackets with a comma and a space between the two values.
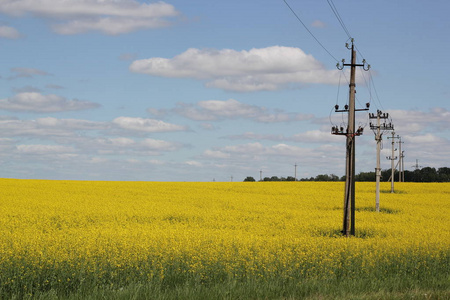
[365, 65]
[340, 66]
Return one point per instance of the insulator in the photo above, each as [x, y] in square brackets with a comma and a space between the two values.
[367, 104]
[342, 129]
[346, 106]
[336, 107]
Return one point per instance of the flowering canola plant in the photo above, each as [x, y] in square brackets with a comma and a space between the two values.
[63, 234]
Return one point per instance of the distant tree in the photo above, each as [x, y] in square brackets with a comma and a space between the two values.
[444, 174]
[290, 178]
[274, 178]
[334, 177]
[266, 179]
[365, 176]
[249, 178]
[326, 177]
[322, 177]
[428, 174]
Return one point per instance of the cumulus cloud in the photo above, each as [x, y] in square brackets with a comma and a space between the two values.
[268, 68]
[9, 33]
[44, 149]
[107, 16]
[259, 152]
[312, 136]
[39, 103]
[127, 146]
[414, 121]
[47, 127]
[213, 110]
[146, 125]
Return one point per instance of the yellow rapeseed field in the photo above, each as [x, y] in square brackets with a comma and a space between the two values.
[61, 234]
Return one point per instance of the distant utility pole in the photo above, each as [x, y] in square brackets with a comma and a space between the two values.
[379, 129]
[402, 155]
[260, 175]
[295, 173]
[400, 159]
[231, 178]
[350, 133]
[392, 158]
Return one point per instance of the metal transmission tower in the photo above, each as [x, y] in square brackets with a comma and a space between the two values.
[392, 158]
[416, 166]
[379, 129]
[351, 134]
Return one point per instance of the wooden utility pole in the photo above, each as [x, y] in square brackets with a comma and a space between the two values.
[392, 158]
[350, 133]
[400, 160]
[380, 128]
[295, 173]
[403, 165]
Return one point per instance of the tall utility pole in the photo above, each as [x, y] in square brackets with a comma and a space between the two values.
[392, 158]
[350, 133]
[260, 175]
[295, 173]
[380, 128]
[400, 159]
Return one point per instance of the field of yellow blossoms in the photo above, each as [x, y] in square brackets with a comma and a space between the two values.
[63, 236]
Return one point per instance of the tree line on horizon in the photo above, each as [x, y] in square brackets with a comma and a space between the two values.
[426, 174]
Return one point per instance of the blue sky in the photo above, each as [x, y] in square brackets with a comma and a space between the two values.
[208, 90]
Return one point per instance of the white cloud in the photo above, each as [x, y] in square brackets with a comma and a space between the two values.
[268, 68]
[107, 16]
[9, 33]
[27, 73]
[257, 152]
[318, 24]
[44, 149]
[213, 110]
[415, 121]
[257, 136]
[159, 145]
[193, 163]
[316, 136]
[127, 56]
[127, 146]
[146, 125]
[48, 127]
[39, 103]
[312, 136]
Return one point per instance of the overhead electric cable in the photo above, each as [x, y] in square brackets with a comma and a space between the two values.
[338, 17]
[309, 31]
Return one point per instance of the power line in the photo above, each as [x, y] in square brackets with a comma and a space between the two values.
[309, 31]
[338, 17]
